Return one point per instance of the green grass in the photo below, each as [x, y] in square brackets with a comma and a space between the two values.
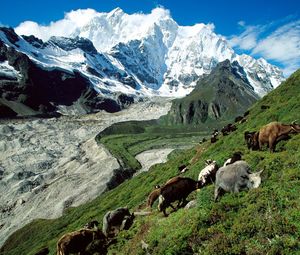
[127, 139]
[262, 221]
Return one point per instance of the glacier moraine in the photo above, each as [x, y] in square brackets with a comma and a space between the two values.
[48, 165]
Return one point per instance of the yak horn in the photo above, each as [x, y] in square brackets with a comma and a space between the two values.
[261, 171]
[294, 122]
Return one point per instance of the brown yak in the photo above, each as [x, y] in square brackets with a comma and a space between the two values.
[156, 192]
[274, 132]
[176, 191]
[78, 241]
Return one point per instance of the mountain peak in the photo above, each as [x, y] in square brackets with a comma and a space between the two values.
[148, 52]
[115, 13]
[221, 95]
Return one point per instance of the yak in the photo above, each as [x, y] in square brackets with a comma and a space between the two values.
[236, 156]
[78, 241]
[114, 220]
[274, 132]
[228, 129]
[208, 173]
[156, 192]
[176, 191]
[236, 177]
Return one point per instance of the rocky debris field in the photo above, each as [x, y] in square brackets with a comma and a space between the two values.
[48, 165]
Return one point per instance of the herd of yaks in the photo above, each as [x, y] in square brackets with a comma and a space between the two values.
[235, 175]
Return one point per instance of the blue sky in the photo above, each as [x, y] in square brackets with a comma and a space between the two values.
[269, 29]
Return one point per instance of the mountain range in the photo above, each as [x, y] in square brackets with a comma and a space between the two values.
[116, 58]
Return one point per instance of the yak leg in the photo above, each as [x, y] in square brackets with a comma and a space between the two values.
[217, 193]
[180, 201]
[184, 202]
[237, 187]
[260, 145]
[272, 144]
[174, 209]
[164, 212]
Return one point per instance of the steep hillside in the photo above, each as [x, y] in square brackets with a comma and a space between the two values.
[218, 97]
[261, 221]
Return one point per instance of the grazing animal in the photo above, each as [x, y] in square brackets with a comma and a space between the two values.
[176, 191]
[246, 113]
[228, 129]
[251, 139]
[152, 197]
[236, 177]
[213, 139]
[274, 132]
[203, 140]
[183, 168]
[112, 220]
[242, 120]
[264, 107]
[214, 136]
[156, 192]
[208, 173]
[238, 119]
[128, 222]
[78, 241]
[91, 224]
[236, 156]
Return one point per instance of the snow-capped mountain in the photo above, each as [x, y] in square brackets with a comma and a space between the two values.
[137, 55]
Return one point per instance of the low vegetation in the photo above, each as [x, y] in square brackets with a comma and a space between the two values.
[262, 221]
[127, 139]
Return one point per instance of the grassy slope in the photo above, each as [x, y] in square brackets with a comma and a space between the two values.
[262, 221]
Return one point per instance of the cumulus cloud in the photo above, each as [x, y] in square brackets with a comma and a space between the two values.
[64, 27]
[103, 29]
[280, 44]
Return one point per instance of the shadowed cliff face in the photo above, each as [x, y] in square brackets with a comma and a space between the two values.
[221, 95]
[31, 90]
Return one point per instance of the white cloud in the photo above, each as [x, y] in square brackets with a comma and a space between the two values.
[75, 21]
[281, 45]
[64, 27]
[248, 39]
[242, 23]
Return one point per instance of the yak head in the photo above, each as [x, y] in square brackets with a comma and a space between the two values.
[295, 127]
[251, 139]
[254, 180]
